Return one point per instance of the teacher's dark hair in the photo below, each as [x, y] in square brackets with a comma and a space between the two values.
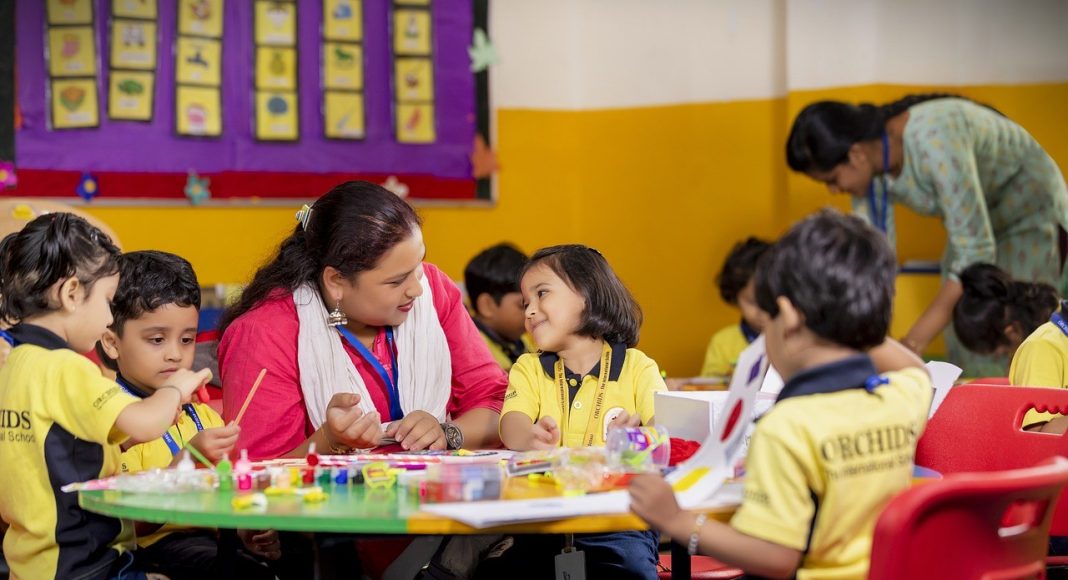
[824, 131]
[350, 228]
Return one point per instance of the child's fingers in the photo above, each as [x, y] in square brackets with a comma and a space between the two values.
[633, 421]
[548, 423]
[542, 434]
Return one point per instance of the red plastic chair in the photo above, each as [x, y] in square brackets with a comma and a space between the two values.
[702, 568]
[991, 526]
[977, 428]
[990, 381]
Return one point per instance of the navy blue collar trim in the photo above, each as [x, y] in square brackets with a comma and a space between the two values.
[512, 349]
[848, 373]
[131, 388]
[748, 332]
[619, 354]
[24, 333]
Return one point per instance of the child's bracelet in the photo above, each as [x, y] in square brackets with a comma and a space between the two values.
[173, 387]
[691, 548]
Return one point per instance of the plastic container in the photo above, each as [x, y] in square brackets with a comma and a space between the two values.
[463, 481]
[638, 449]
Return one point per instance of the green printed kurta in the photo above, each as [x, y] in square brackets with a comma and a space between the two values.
[1001, 198]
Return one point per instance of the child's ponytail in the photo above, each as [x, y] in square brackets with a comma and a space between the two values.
[992, 301]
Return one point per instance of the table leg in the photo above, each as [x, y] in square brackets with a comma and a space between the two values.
[680, 562]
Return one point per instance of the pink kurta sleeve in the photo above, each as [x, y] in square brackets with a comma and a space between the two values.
[477, 379]
[265, 338]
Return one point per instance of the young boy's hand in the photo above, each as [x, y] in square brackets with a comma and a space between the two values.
[347, 424]
[546, 434]
[654, 501]
[216, 441]
[263, 543]
[187, 381]
[624, 419]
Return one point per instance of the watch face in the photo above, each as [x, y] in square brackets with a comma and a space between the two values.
[453, 436]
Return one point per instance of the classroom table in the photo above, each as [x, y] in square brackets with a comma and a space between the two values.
[353, 509]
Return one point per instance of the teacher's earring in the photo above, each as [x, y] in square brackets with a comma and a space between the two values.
[337, 317]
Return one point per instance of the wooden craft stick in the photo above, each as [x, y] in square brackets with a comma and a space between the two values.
[248, 398]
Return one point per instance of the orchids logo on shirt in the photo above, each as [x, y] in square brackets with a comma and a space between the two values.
[869, 450]
[16, 426]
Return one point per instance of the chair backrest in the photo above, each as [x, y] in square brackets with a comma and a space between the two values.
[990, 381]
[990, 526]
[977, 428]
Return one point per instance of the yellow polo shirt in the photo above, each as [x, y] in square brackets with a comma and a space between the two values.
[157, 454]
[57, 414]
[1041, 361]
[723, 350]
[633, 379]
[826, 459]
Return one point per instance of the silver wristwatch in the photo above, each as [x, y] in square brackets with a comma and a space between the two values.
[454, 437]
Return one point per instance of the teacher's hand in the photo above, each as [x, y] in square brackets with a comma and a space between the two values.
[348, 425]
[417, 431]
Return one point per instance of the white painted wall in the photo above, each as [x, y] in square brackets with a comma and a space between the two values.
[597, 54]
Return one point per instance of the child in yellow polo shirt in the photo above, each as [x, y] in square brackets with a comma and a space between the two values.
[62, 422]
[735, 282]
[491, 280]
[587, 380]
[839, 442]
[996, 313]
[156, 313]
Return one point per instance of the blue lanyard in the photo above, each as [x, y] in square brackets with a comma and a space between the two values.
[1058, 320]
[395, 411]
[7, 337]
[879, 216]
[188, 408]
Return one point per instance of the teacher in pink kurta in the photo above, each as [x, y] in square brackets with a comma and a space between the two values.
[362, 340]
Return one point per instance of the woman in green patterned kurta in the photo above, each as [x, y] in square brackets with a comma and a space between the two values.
[1001, 197]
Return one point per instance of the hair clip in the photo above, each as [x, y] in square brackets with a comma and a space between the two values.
[595, 251]
[304, 216]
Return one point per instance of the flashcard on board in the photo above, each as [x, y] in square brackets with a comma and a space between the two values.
[414, 78]
[415, 123]
[411, 32]
[276, 23]
[130, 95]
[276, 116]
[342, 66]
[144, 9]
[71, 51]
[198, 111]
[74, 104]
[343, 20]
[276, 68]
[133, 44]
[201, 17]
[343, 115]
[199, 61]
[70, 11]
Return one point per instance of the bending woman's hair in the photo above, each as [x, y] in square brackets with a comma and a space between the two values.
[993, 302]
[824, 131]
[350, 228]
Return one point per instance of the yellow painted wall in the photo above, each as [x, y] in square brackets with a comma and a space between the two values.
[663, 192]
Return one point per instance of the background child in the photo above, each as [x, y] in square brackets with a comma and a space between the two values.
[64, 420]
[585, 322]
[492, 282]
[996, 313]
[156, 310]
[840, 440]
[736, 287]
